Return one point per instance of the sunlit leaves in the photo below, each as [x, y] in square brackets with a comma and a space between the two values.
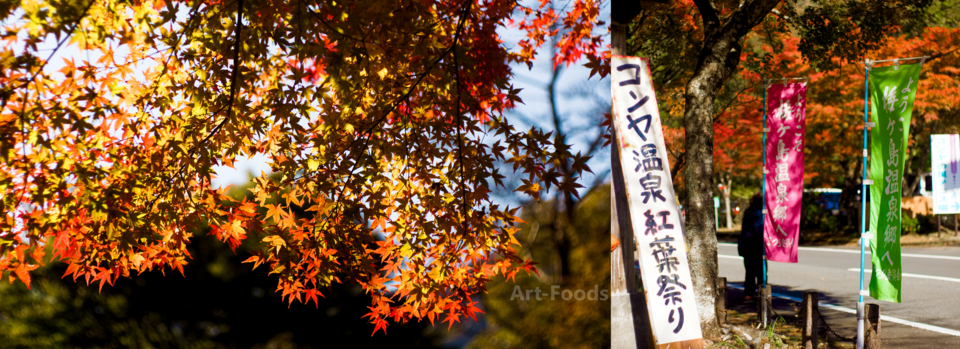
[383, 122]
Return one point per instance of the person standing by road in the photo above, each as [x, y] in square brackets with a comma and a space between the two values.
[750, 245]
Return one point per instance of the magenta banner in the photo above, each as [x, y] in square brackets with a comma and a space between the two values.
[783, 173]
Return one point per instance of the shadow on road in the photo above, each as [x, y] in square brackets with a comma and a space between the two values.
[841, 327]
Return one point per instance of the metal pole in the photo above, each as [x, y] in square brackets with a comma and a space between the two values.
[763, 183]
[763, 195]
[863, 199]
[900, 59]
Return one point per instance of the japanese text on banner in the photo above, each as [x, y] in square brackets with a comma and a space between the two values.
[653, 204]
[784, 170]
[892, 91]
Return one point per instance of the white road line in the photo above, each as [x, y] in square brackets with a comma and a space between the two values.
[941, 278]
[731, 257]
[882, 317]
[931, 256]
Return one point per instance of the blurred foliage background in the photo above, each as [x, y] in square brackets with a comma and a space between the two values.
[517, 322]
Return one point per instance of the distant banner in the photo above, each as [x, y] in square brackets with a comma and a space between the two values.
[892, 91]
[945, 160]
[653, 205]
[784, 170]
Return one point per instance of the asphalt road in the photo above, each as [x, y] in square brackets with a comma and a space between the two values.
[929, 316]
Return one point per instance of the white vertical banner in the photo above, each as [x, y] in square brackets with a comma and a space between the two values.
[652, 203]
[945, 168]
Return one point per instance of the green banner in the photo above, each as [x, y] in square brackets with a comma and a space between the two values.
[892, 91]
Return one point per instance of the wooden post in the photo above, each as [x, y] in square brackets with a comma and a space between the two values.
[764, 312]
[938, 226]
[629, 318]
[761, 307]
[872, 326]
[954, 225]
[811, 322]
[722, 300]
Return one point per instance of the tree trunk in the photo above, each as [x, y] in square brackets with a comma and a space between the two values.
[718, 59]
[698, 174]
[564, 201]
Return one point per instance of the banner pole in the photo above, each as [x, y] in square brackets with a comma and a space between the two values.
[763, 185]
[763, 190]
[863, 200]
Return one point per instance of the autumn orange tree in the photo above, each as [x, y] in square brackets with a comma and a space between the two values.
[835, 107]
[374, 115]
[703, 45]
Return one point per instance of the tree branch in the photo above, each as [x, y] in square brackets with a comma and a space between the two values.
[941, 54]
[748, 16]
[366, 133]
[456, 69]
[76, 24]
[778, 14]
[734, 99]
[711, 21]
[233, 79]
[681, 159]
[233, 92]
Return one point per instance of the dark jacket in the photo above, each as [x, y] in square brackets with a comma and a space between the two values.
[750, 243]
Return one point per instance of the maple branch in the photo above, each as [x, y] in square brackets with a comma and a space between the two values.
[299, 42]
[23, 107]
[176, 44]
[564, 197]
[716, 119]
[233, 80]
[23, 146]
[76, 24]
[597, 142]
[332, 30]
[456, 65]
[711, 21]
[163, 72]
[600, 177]
[233, 85]
[681, 159]
[780, 15]
[366, 133]
[941, 54]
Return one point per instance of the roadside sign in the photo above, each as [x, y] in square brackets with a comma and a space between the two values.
[654, 212]
[945, 160]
